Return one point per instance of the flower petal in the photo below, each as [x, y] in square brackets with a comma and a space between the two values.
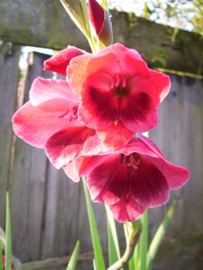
[156, 84]
[64, 145]
[148, 185]
[107, 181]
[138, 112]
[71, 171]
[52, 95]
[36, 126]
[77, 73]
[59, 62]
[98, 109]
[126, 209]
[116, 135]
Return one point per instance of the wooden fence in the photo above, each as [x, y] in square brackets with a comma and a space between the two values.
[48, 211]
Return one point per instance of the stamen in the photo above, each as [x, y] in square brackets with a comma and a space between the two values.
[118, 80]
[63, 114]
[71, 114]
[133, 160]
[113, 82]
[124, 81]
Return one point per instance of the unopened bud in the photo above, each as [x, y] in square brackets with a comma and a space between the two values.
[99, 18]
[59, 62]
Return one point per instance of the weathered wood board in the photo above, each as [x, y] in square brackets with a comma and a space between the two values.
[9, 75]
[28, 185]
[180, 137]
[44, 23]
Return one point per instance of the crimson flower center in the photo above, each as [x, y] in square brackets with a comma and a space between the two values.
[133, 160]
[118, 84]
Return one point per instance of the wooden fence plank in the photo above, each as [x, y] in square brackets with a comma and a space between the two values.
[28, 185]
[44, 23]
[9, 75]
[179, 136]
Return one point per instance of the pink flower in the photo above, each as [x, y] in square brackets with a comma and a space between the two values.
[59, 62]
[119, 94]
[131, 178]
[50, 120]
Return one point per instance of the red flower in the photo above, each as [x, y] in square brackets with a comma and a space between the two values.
[119, 94]
[131, 178]
[49, 120]
[59, 62]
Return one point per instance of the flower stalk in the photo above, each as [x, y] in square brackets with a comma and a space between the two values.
[133, 230]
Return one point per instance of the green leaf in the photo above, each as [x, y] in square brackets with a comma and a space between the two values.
[143, 242]
[136, 256]
[73, 259]
[156, 241]
[94, 232]
[113, 245]
[8, 235]
[1, 259]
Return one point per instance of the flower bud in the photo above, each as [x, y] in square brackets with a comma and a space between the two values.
[74, 9]
[59, 62]
[99, 18]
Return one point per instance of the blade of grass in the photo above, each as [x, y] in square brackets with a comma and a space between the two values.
[136, 256]
[1, 259]
[156, 241]
[94, 232]
[113, 245]
[73, 259]
[143, 242]
[94, 264]
[8, 234]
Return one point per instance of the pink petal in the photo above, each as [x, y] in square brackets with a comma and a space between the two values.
[77, 73]
[64, 145]
[151, 145]
[59, 62]
[149, 186]
[52, 95]
[176, 176]
[96, 15]
[98, 109]
[85, 165]
[126, 209]
[71, 171]
[116, 135]
[106, 182]
[35, 126]
[93, 145]
[138, 112]
[156, 84]
[138, 146]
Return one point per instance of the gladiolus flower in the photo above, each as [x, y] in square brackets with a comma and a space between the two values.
[59, 62]
[131, 178]
[50, 120]
[119, 94]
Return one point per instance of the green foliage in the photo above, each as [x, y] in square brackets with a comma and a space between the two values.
[99, 259]
[74, 257]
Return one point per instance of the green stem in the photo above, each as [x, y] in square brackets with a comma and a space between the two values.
[134, 230]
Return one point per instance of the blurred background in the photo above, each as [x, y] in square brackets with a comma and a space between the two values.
[48, 212]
